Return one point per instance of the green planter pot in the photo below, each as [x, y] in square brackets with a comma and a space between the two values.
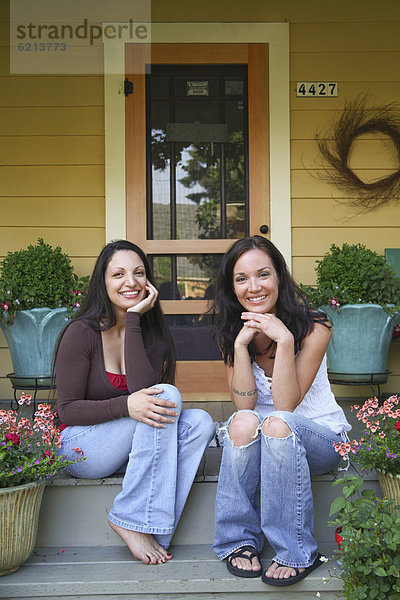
[360, 340]
[19, 517]
[32, 339]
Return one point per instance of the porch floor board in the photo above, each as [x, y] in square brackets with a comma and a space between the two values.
[110, 573]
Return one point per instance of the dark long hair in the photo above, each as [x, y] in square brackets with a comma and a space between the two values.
[97, 309]
[292, 307]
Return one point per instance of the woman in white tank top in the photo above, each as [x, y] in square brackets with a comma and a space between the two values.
[273, 345]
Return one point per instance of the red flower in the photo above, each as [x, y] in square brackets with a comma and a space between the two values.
[50, 455]
[13, 437]
[397, 426]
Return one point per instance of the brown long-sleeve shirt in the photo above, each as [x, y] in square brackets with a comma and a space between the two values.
[85, 396]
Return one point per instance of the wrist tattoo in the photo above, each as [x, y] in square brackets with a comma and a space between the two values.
[249, 393]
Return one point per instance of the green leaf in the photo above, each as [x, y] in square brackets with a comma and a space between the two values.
[387, 520]
[337, 505]
[358, 482]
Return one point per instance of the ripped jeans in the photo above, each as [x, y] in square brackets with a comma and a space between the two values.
[159, 464]
[278, 470]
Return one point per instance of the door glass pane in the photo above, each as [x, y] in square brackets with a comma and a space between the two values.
[234, 86]
[198, 152]
[186, 277]
[198, 192]
[159, 86]
[193, 338]
[160, 172]
[235, 178]
[203, 111]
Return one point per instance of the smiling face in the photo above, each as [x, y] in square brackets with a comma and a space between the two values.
[255, 282]
[125, 280]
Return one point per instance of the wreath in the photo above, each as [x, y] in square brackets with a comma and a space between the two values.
[335, 146]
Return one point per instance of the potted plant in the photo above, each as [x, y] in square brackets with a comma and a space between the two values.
[379, 447]
[360, 293]
[370, 544]
[28, 458]
[38, 291]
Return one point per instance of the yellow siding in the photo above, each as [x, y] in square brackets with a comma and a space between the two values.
[52, 137]
[59, 120]
[292, 11]
[51, 167]
[353, 37]
[79, 91]
[52, 150]
[28, 211]
[43, 180]
[344, 66]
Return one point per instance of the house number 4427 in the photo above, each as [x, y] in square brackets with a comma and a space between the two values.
[322, 89]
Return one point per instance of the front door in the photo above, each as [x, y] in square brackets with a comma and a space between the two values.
[197, 179]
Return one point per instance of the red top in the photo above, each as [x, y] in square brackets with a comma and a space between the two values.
[118, 381]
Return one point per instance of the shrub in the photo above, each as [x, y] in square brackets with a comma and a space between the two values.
[354, 274]
[35, 277]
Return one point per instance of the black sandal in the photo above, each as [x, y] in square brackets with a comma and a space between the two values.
[241, 553]
[291, 580]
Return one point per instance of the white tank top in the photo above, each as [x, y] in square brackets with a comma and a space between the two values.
[318, 404]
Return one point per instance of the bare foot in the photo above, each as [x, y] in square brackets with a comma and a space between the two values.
[276, 572]
[142, 545]
[245, 563]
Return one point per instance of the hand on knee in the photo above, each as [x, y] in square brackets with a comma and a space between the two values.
[243, 428]
[276, 427]
[171, 393]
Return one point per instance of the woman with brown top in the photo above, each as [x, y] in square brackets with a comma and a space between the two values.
[111, 364]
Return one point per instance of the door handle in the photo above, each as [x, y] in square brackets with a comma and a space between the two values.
[264, 229]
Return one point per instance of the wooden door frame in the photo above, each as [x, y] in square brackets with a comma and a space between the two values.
[276, 35]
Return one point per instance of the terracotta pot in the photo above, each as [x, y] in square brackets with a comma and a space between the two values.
[19, 516]
[390, 486]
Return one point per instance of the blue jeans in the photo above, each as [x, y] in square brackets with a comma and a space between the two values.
[161, 464]
[278, 470]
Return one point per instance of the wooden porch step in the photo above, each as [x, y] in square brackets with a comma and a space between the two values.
[74, 511]
[87, 573]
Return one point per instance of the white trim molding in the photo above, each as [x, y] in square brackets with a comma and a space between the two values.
[276, 35]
